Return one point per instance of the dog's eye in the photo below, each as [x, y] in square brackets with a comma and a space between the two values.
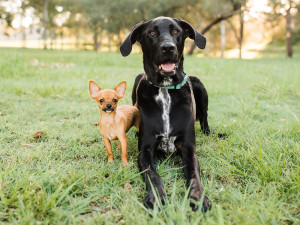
[152, 33]
[115, 100]
[175, 31]
[101, 100]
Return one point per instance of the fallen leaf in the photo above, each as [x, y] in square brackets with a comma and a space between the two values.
[38, 135]
[26, 144]
[72, 117]
[34, 62]
[1, 185]
[127, 187]
[103, 211]
[43, 64]
[121, 221]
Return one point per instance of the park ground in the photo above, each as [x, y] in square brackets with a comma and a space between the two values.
[252, 177]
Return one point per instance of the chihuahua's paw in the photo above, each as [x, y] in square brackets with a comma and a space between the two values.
[125, 162]
[110, 159]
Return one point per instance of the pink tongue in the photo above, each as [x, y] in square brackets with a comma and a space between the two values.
[168, 66]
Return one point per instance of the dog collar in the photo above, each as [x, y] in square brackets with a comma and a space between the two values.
[175, 86]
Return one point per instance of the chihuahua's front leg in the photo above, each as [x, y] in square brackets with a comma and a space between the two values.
[123, 142]
[108, 149]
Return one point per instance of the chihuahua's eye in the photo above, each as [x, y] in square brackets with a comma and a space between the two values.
[101, 100]
[115, 100]
[152, 33]
[175, 31]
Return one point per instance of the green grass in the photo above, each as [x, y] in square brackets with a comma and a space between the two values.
[277, 51]
[64, 178]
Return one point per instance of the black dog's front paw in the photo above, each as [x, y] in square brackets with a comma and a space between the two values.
[150, 200]
[205, 206]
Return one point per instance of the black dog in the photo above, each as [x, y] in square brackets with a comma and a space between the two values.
[169, 102]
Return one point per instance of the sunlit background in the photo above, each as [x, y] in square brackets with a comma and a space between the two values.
[234, 28]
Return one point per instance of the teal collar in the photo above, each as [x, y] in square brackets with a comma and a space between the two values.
[175, 86]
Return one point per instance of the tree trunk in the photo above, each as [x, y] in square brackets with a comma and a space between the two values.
[77, 37]
[241, 33]
[96, 44]
[289, 46]
[213, 23]
[62, 40]
[23, 30]
[51, 39]
[120, 38]
[51, 42]
[45, 20]
[109, 42]
[223, 40]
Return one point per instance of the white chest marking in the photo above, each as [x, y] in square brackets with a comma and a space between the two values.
[167, 81]
[163, 98]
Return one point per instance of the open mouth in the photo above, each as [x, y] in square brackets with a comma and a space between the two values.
[108, 110]
[168, 67]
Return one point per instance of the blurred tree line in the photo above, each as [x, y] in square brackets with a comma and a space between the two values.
[114, 18]
[285, 8]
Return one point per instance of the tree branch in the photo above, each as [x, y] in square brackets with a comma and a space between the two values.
[234, 30]
[213, 23]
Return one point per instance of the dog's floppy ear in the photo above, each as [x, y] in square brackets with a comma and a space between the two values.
[192, 33]
[134, 36]
[94, 89]
[120, 89]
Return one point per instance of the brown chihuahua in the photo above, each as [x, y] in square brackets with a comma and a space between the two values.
[114, 122]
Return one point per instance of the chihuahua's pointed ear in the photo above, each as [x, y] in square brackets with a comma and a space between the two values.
[134, 36]
[120, 89]
[192, 33]
[94, 89]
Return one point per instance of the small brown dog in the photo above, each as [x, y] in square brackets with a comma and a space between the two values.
[114, 122]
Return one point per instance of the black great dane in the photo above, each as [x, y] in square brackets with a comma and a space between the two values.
[169, 102]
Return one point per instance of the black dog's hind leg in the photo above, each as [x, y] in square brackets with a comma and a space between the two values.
[191, 172]
[136, 82]
[201, 99]
[151, 177]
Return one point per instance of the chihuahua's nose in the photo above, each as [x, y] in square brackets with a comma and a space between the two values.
[108, 106]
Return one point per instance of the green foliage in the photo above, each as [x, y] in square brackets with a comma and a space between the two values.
[38, 5]
[6, 16]
[296, 30]
[64, 178]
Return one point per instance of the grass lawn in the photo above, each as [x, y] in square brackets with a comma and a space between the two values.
[64, 178]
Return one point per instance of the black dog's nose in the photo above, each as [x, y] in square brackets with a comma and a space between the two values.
[108, 106]
[167, 47]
